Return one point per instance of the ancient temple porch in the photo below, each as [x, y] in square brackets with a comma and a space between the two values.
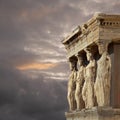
[100, 31]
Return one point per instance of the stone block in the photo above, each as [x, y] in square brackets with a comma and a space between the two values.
[96, 113]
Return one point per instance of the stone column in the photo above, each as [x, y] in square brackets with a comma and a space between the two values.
[79, 83]
[103, 77]
[72, 85]
[90, 73]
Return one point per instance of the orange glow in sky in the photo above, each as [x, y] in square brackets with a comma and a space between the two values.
[38, 66]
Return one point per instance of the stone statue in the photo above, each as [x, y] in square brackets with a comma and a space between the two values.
[79, 84]
[102, 84]
[72, 87]
[88, 87]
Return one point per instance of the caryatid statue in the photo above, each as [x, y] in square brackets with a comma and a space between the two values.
[88, 87]
[102, 84]
[79, 84]
[72, 86]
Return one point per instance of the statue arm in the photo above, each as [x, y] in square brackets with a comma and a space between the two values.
[84, 73]
[84, 92]
[95, 70]
[84, 85]
[75, 76]
[109, 69]
[109, 63]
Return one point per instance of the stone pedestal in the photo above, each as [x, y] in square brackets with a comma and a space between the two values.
[101, 113]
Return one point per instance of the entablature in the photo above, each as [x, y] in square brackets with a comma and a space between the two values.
[99, 27]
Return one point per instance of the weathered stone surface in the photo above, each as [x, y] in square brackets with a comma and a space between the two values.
[103, 76]
[100, 113]
[100, 27]
[72, 87]
[79, 84]
[94, 84]
[88, 87]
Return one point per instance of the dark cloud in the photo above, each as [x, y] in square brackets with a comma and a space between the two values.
[30, 99]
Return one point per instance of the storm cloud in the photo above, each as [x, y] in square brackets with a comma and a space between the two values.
[30, 37]
[27, 99]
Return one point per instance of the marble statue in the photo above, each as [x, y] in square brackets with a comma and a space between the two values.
[72, 87]
[102, 84]
[79, 84]
[94, 89]
[88, 87]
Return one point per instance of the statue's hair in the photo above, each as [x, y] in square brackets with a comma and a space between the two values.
[88, 50]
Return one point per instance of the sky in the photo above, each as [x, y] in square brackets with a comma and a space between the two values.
[33, 65]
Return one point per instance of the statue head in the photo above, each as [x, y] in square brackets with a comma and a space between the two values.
[102, 47]
[88, 53]
[73, 65]
[80, 60]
